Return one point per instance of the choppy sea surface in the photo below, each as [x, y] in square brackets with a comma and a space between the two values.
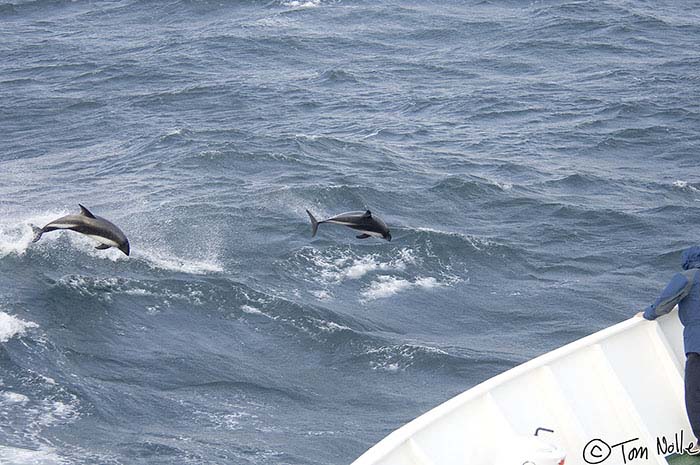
[537, 163]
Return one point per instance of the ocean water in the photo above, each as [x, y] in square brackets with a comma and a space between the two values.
[537, 163]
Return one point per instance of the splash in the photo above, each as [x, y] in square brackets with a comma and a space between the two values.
[154, 259]
[16, 234]
[11, 326]
[157, 260]
[16, 239]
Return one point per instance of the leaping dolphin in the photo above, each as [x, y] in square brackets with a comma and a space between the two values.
[368, 224]
[98, 228]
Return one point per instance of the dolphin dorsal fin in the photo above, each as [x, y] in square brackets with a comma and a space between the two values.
[85, 212]
[368, 214]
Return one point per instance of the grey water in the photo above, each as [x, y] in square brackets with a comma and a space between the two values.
[537, 163]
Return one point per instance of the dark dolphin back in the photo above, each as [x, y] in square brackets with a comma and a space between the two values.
[349, 217]
[362, 220]
[90, 225]
[380, 224]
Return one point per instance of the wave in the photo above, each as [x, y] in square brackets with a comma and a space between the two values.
[349, 340]
[478, 243]
[155, 295]
[323, 327]
[399, 357]
[279, 316]
[470, 187]
[336, 76]
[7, 9]
[579, 182]
[150, 449]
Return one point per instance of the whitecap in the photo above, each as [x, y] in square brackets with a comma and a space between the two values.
[399, 357]
[42, 456]
[11, 326]
[386, 286]
[58, 412]
[348, 266]
[251, 310]
[9, 397]
[322, 294]
[302, 4]
[331, 327]
[385, 366]
[684, 185]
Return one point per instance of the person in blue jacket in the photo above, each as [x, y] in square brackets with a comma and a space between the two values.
[684, 290]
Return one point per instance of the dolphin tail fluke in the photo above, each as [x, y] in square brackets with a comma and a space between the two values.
[37, 233]
[314, 224]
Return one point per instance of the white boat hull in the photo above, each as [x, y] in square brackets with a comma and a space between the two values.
[624, 383]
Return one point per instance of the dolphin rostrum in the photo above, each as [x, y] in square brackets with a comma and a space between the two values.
[98, 228]
[368, 224]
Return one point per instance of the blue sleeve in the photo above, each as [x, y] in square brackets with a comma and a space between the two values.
[678, 288]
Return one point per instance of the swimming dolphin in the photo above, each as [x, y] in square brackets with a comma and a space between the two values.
[103, 231]
[365, 222]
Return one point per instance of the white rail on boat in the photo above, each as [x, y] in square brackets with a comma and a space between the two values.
[622, 383]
